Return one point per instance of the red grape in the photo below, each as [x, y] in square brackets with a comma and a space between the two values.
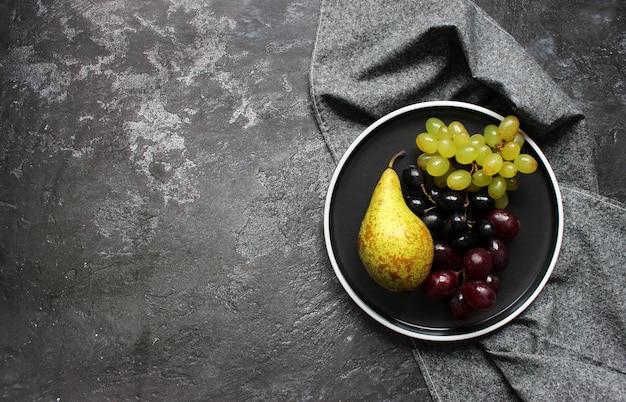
[493, 281]
[440, 285]
[459, 308]
[478, 294]
[445, 256]
[477, 263]
[499, 254]
[506, 223]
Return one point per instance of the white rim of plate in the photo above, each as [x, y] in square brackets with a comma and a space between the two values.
[372, 313]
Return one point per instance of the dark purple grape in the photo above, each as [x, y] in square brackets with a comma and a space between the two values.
[478, 294]
[506, 223]
[481, 202]
[440, 285]
[433, 221]
[484, 229]
[413, 177]
[417, 204]
[433, 192]
[459, 308]
[445, 256]
[454, 225]
[451, 201]
[477, 263]
[464, 241]
[499, 254]
[493, 281]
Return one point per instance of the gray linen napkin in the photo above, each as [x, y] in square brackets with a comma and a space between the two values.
[372, 57]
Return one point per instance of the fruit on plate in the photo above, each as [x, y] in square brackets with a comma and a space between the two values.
[394, 244]
[459, 187]
[489, 160]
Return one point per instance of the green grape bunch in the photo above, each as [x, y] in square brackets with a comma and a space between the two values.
[463, 162]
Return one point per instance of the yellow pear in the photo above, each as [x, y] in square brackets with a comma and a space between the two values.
[394, 244]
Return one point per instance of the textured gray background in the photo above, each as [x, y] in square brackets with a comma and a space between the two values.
[161, 192]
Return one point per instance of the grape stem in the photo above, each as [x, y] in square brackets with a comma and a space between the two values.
[474, 168]
[423, 186]
[500, 145]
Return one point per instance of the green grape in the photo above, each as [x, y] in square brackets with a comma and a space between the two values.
[497, 188]
[491, 135]
[437, 166]
[456, 127]
[446, 148]
[473, 188]
[441, 181]
[427, 142]
[466, 154]
[494, 157]
[481, 152]
[422, 160]
[507, 170]
[502, 202]
[519, 138]
[525, 163]
[512, 184]
[510, 150]
[461, 139]
[480, 179]
[492, 164]
[433, 125]
[477, 140]
[508, 128]
[444, 132]
[459, 180]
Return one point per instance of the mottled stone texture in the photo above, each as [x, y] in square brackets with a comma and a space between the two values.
[161, 201]
[161, 194]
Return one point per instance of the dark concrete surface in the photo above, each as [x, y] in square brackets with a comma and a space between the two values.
[582, 46]
[161, 197]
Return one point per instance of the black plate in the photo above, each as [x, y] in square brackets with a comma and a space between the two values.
[533, 253]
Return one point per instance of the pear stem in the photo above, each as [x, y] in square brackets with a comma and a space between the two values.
[396, 156]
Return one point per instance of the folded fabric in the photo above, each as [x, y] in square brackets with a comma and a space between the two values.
[569, 344]
[373, 57]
